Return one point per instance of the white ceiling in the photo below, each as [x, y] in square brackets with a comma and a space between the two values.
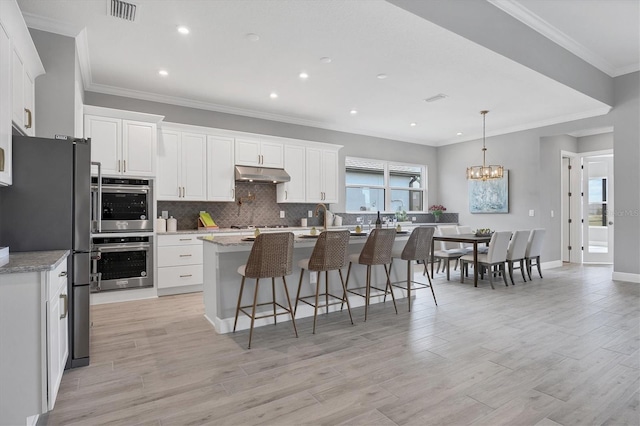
[216, 67]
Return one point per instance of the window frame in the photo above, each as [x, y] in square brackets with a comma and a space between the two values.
[387, 187]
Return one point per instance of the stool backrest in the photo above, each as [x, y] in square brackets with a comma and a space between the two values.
[377, 249]
[518, 245]
[448, 230]
[330, 251]
[418, 246]
[498, 247]
[534, 246]
[271, 256]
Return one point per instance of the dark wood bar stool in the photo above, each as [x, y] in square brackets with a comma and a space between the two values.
[417, 248]
[329, 254]
[271, 256]
[376, 251]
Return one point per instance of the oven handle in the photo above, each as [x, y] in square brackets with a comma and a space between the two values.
[99, 206]
[121, 248]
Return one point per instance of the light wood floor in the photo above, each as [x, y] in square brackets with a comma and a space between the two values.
[563, 350]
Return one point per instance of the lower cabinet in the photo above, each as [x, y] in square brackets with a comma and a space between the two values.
[33, 340]
[179, 264]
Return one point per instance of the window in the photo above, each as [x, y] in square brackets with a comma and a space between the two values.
[373, 185]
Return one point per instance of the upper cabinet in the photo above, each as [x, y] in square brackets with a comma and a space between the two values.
[322, 175]
[123, 146]
[221, 185]
[294, 163]
[19, 67]
[259, 153]
[182, 166]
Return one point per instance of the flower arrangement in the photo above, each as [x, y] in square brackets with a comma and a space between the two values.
[437, 210]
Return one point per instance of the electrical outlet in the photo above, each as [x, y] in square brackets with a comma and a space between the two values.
[309, 213]
[532, 213]
[413, 218]
[552, 213]
[165, 214]
[281, 214]
[313, 277]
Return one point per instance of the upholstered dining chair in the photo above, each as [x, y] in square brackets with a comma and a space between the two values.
[534, 250]
[329, 254]
[448, 250]
[516, 252]
[376, 251]
[466, 247]
[271, 256]
[417, 248]
[496, 256]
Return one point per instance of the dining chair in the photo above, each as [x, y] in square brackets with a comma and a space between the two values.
[534, 250]
[448, 250]
[329, 254]
[417, 248]
[516, 252]
[271, 256]
[496, 256]
[376, 251]
[463, 229]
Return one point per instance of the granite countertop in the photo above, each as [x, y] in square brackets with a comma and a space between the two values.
[33, 261]
[303, 240]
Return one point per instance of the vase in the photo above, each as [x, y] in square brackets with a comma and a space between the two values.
[436, 218]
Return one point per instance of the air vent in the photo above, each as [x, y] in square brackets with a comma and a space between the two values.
[123, 10]
[436, 97]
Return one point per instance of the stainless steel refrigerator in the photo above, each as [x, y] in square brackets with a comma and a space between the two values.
[48, 208]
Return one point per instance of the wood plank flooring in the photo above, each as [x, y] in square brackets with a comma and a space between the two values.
[563, 350]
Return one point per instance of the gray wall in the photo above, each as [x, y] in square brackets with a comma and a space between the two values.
[593, 143]
[56, 88]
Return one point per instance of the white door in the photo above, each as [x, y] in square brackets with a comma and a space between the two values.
[597, 209]
[330, 176]
[106, 142]
[168, 179]
[247, 152]
[5, 106]
[220, 169]
[194, 166]
[139, 148]
[294, 163]
[272, 155]
[17, 84]
[314, 175]
[29, 105]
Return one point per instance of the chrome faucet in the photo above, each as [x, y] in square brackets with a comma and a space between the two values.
[325, 214]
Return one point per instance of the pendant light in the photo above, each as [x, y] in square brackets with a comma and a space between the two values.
[484, 172]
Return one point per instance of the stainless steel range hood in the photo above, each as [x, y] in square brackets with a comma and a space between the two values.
[261, 175]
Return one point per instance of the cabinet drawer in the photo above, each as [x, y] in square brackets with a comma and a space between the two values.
[178, 240]
[177, 276]
[179, 255]
[57, 279]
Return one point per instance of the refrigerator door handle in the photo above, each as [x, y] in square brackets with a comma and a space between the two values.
[99, 206]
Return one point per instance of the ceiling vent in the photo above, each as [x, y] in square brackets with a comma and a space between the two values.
[436, 97]
[123, 10]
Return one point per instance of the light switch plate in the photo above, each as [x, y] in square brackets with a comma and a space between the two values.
[281, 214]
[165, 214]
[532, 212]
[309, 213]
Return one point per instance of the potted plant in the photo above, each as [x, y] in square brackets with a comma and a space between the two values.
[436, 210]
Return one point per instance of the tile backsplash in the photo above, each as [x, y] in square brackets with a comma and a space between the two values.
[264, 210]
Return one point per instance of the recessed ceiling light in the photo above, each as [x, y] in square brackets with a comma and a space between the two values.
[381, 76]
[353, 112]
[163, 73]
[252, 37]
[413, 124]
[303, 75]
[459, 134]
[273, 95]
[183, 30]
[325, 60]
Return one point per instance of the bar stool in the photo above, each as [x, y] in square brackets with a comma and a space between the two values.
[376, 251]
[271, 256]
[329, 254]
[417, 248]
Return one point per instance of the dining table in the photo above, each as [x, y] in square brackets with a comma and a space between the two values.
[473, 239]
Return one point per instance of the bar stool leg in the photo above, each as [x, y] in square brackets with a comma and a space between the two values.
[315, 308]
[388, 286]
[286, 293]
[238, 305]
[253, 312]
[273, 295]
[326, 290]
[295, 308]
[346, 284]
[431, 284]
[367, 292]
[408, 283]
[344, 295]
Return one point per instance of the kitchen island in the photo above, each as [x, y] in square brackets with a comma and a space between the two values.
[224, 254]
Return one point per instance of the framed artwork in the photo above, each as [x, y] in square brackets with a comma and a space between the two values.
[489, 196]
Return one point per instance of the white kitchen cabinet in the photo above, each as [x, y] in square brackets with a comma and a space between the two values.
[34, 340]
[179, 263]
[23, 92]
[182, 166]
[124, 142]
[221, 185]
[294, 163]
[5, 108]
[322, 175]
[259, 153]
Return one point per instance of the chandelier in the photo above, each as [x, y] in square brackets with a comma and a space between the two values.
[484, 172]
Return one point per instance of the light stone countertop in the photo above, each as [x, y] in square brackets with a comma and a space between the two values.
[302, 240]
[33, 261]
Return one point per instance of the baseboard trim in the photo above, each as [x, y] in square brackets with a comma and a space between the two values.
[551, 264]
[625, 276]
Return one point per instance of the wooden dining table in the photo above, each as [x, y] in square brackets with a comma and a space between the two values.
[462, 238]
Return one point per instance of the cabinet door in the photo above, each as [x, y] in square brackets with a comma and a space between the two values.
[106, 142]
[272, 154]
[57, 340]
[168, 181]
[294, 163]
[314, 175]
[29, 105]
[220, 169]
[138, 148]
[193, 150]
[5, 108]
[247, 152]
[17, 90]
[330, 176]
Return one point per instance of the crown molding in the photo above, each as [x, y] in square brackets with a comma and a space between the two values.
[51, 25]
[524, 15]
